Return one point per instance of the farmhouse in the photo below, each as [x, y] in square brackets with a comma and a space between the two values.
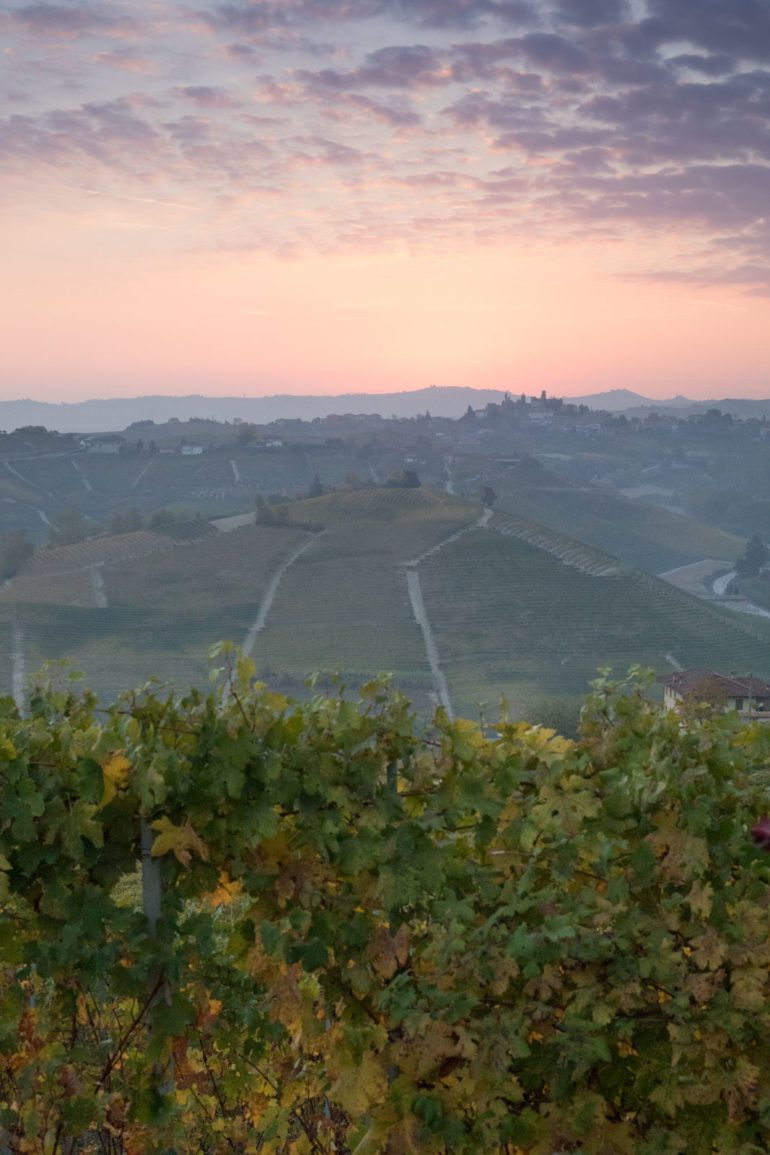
[105, 443]
[748, 695]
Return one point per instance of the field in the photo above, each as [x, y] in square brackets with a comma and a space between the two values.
[643, 535]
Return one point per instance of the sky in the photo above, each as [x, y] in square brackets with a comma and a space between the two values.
[325, 196]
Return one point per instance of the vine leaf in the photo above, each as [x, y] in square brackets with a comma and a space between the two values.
[180, 840]
[115, 771]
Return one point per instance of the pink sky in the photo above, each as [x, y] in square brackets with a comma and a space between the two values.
[564, 197]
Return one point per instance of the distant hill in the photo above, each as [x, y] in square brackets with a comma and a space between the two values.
[737, 406]
[116, 413]
[613, 400]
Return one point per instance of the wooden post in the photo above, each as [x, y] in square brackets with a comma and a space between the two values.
[152, 897]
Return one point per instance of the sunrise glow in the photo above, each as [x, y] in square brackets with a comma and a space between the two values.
[320, 198]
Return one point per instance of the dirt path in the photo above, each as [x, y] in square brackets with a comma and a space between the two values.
[18, 665]
[450, 485]
[271, 591]
[720, 585]
[748, 608]
[480, 523]
[99, 588]
[86, 483]
[421, 617]
[236, 472]
[228, 524]
[695, 578]
[26, 481]
[141, 474]
[41, 513]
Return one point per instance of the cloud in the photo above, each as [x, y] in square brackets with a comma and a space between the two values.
[258, 19]
[366, 122]
[738, 27]
[68, 21]
[397, 67]
[588, 13]
[206, 95]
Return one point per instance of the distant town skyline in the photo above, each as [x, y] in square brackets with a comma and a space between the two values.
[335, 196]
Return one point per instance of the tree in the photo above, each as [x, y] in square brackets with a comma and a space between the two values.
[488, 496]
[128, 522]
[315, 488]
[69, 527]
[354, 480]
[406, 479]
[15, 549]
[163, 519]
[753, 558]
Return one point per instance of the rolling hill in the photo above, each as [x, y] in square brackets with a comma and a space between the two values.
[461, 606]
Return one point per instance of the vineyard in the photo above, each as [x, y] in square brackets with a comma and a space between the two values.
[345, 606]
[379, 502]
[512, 619]
[161, 612]
[214, 484]
[384, 580]
[571, 553]
[642, 535]
[109, 550]
[235, 924]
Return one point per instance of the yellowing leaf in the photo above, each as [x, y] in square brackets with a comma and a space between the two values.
[7, 748]
[748, 989]
[681, 855]
[668, 1097]
[180, 840]
[359, 1084]
[700, 899]
[115, 770]
[227, 889]
[389, 952]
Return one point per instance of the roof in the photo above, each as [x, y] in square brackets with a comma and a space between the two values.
[689, 682]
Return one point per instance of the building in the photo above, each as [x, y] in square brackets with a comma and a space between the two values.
[105, 443]
[748, 695]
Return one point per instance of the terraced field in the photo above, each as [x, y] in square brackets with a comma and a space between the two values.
[511, 619]
[645, 536]
[568, 551]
